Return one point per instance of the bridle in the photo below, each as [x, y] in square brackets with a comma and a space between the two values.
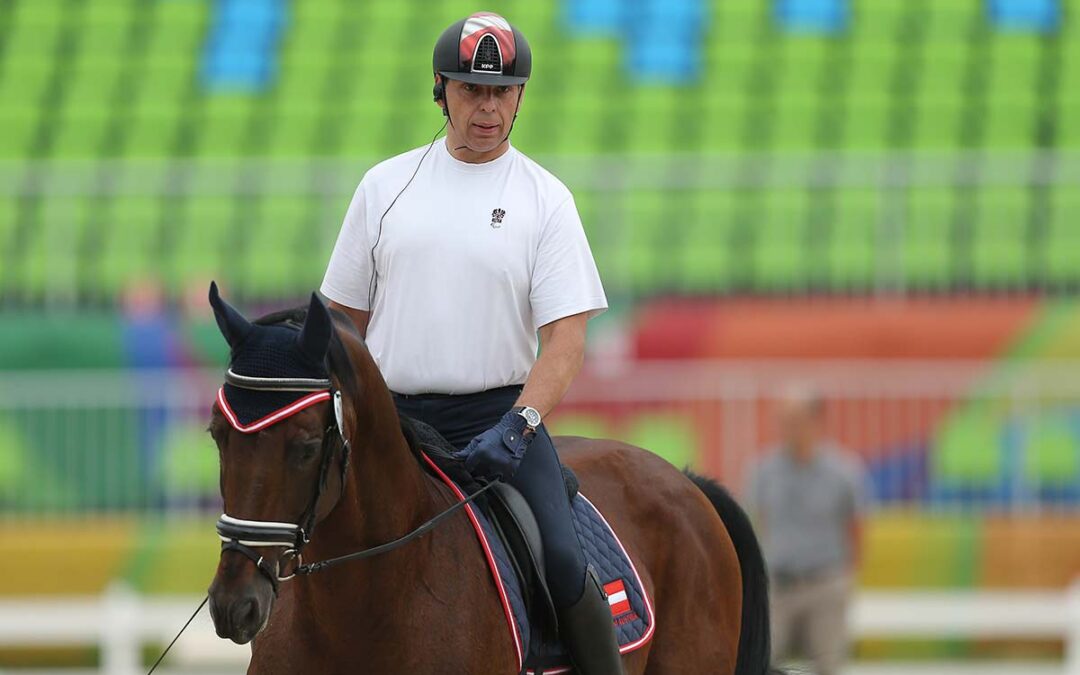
[247, 536]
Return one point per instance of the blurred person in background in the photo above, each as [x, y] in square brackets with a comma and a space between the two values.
[806, 499]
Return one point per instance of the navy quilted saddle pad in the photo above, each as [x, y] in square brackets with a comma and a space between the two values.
[631, 608]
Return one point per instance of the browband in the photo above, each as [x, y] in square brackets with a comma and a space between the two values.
[275, 383]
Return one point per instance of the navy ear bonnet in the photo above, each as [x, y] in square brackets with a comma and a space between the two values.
[275, 371]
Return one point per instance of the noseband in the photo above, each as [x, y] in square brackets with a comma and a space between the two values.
[247, 536]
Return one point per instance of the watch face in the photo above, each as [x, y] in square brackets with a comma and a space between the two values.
[532, 416]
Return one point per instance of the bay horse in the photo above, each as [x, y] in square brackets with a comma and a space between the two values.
[430, 606]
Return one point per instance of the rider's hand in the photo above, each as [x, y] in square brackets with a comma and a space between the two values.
[496, 453]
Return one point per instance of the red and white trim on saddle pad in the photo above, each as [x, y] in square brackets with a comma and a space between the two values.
[514, 631]
[276, 416]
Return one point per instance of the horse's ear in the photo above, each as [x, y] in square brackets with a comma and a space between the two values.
[232, 323]
[314, 338]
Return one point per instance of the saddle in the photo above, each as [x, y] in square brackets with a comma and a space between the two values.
[510, 536]
[506, 510]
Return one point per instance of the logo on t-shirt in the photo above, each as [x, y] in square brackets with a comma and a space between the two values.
[496, 217]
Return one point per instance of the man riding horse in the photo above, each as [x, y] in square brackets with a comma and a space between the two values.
[451, 259]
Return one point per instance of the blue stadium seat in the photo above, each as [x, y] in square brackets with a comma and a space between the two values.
[1041, 16]
[241, 52]
[596, 17]
[813, 16]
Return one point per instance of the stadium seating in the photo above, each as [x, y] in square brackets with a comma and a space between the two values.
[124, 79]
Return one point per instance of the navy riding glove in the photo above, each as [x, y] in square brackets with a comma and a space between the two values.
[496, 453]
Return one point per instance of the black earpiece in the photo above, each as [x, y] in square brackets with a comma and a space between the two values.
[438, 93]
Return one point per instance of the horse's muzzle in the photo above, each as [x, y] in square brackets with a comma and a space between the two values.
[240, 601]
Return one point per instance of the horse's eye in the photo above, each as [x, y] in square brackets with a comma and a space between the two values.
[306, 451]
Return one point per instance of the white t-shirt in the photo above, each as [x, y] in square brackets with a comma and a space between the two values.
[471, 261]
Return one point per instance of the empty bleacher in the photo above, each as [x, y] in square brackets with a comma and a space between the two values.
[113, 82]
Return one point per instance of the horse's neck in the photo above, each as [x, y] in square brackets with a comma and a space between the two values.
[387, 495]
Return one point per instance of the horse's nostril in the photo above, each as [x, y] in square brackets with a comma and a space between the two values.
[246, 613]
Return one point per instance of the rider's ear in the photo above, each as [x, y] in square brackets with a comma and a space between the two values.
[233, 325]
[314, 339]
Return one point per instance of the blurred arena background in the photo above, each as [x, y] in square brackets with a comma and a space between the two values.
[880, 197]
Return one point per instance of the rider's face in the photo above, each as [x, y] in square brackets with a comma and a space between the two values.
[480, 114]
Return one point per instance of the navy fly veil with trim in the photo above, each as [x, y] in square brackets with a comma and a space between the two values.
[280, 351]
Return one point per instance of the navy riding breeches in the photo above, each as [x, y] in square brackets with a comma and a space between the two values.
[539, 477]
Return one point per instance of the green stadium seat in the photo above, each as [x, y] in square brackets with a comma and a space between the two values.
[946, 21]
[866, 123]
[780, 242]
[294, 132]
[852, 239]
[707, 254]
[1051, 452]
[23, 83]
[92, 84]
[152, 134]
[1000, 254]
[50, 270]
[1068, 123]
[738, 20]
[226, 119]
[131, 227]
[795, 123]
[927, 236]
[967, 451]
[938, 121]
[27, 42]
[82, 130]
[267, 266]
[164, 84]
[178, 29]
[1011, 126]
[20, 123]
[1014, 67]
[652, 111]
[202, 238]
[643, 253]
[1063, 240]
[726, 116]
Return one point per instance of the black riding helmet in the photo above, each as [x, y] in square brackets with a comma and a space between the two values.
[483, 49]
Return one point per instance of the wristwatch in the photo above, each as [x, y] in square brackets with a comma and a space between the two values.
[531, 415]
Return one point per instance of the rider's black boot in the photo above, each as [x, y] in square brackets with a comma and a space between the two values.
[588, 632]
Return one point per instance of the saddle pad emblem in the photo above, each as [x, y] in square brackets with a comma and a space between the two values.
[617, 598]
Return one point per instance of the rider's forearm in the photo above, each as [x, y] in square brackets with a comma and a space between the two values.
[562, 351]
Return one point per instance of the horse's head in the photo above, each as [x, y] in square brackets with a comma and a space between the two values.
[278, 424]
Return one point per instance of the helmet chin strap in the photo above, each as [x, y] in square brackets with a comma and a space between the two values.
[517, 107]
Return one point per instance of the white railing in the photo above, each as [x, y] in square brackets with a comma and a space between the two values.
[107, 442]
[121, 623]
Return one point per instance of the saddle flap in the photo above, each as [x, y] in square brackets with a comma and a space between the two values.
[521, 531]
